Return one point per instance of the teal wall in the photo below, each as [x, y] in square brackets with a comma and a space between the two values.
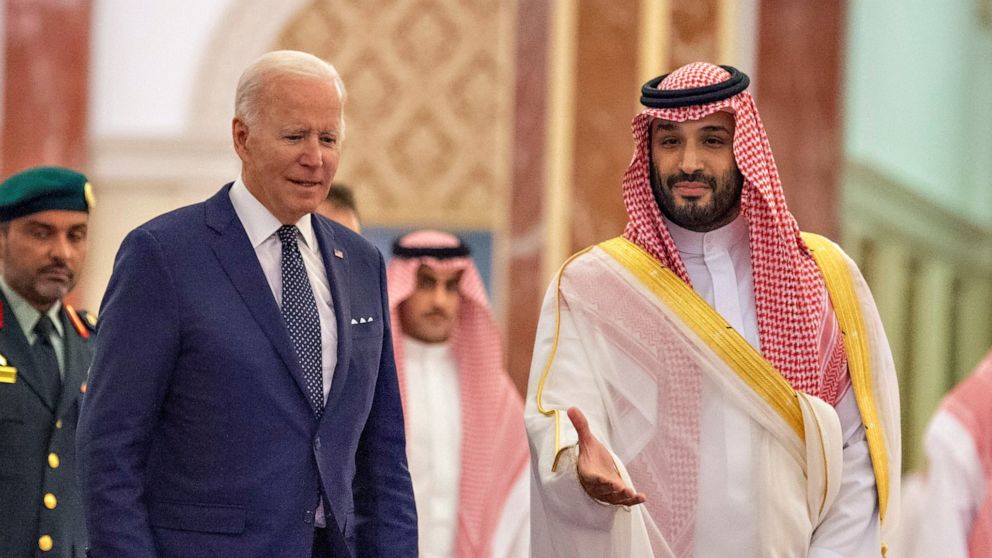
[916, 210]
[918, 104]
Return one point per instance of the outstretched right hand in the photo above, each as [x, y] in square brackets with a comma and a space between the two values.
[598, 475]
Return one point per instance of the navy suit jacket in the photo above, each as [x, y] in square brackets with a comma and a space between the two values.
[196, 437]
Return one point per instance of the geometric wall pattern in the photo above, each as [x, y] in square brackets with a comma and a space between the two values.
[428, 111]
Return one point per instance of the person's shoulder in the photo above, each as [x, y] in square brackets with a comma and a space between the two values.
[823, 249]
[216, 211]
[175, 221]
[590, 258]
[816, 241]
[584, 263]
[83, 321]
[173, 234]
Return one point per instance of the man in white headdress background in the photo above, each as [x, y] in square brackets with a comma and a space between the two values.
[466, 444]
[728, 387]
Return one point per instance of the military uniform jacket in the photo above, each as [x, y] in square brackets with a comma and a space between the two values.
[41, 513]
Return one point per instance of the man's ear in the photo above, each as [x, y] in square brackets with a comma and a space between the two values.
[239, 133]
[4, 231]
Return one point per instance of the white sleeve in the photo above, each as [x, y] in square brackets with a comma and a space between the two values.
[512, 536]
[851, 527]
[569, 383]
[953, 490]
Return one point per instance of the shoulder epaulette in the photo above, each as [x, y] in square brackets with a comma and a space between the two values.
[82, 321]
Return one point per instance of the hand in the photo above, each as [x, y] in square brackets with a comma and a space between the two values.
[598, 475]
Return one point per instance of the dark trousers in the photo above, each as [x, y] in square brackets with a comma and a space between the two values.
[321, 545]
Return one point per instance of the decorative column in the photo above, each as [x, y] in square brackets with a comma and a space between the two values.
[800, 69]
[526, 282]
[46, 71]
[45, 88]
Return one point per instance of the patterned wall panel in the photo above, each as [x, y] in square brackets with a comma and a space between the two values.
[429, 110]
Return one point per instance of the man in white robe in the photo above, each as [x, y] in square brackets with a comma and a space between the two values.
[466, 444]
[956, 521]
[713, 383]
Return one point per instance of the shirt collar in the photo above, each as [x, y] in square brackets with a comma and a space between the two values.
[698, 243]
[27, 315]
[258, 221]
[419, 350]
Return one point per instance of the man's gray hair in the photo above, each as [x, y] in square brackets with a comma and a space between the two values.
[281, 62]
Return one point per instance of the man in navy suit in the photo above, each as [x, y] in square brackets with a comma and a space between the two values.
[243, 400]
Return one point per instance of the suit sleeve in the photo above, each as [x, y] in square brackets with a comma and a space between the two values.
[385, 514]
[136, 353]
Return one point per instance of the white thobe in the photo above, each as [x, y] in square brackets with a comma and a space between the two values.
[954, 491]
[433, 408]
[719, 266]
[434, 446]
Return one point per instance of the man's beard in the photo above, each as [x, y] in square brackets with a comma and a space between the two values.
[48, 291]
[695, 216]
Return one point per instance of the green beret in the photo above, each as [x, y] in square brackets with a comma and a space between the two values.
[43, 189]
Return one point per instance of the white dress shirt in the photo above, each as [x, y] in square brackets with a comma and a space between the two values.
[261, 227]
[433, 405]
[719, 265]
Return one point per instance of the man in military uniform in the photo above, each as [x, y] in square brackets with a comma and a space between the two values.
[45, 351]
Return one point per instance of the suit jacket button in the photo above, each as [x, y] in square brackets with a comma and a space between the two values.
[50, 501]
[58, 423]
[53, 460]
[45, 543]
[308, 517]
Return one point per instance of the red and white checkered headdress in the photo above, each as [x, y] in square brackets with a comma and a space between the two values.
[789, 292]
[494, 443]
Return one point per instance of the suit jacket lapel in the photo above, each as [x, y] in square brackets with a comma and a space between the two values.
[337, 275]
[237, 257]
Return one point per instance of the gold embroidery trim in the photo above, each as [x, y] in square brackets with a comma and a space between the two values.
[840, 287]
[554, 413]
[8, 374]
[726, 342]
